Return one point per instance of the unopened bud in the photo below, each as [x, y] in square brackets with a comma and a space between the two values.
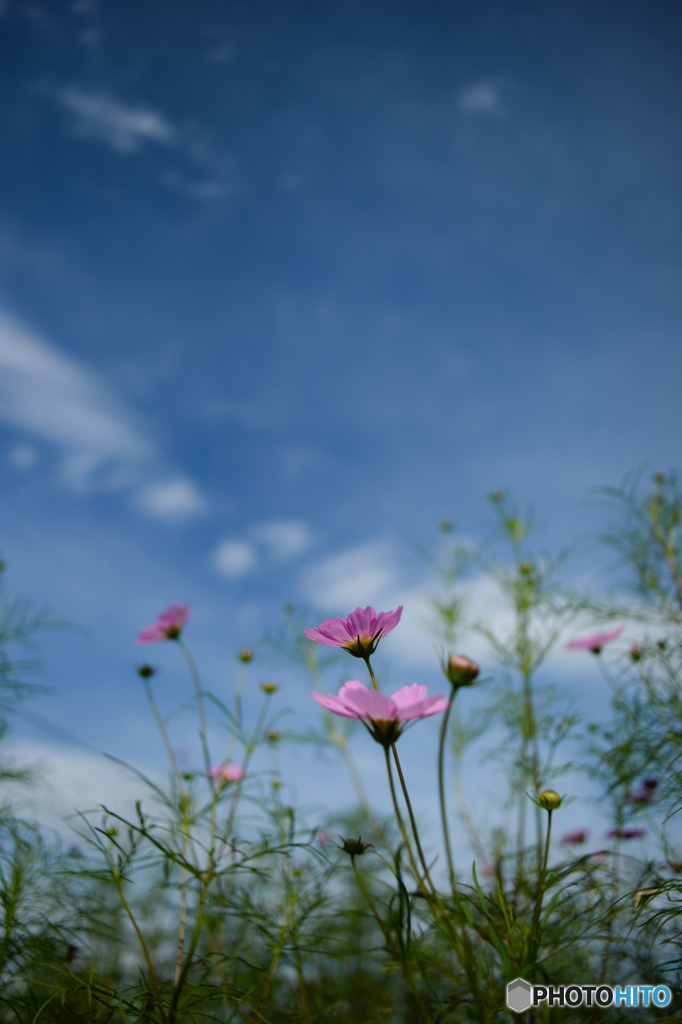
[447, 526]
[636, 652]
[146, 671]
[549, 800]
[659, 478]
[272, 735]
[245, 655]
[355, 847]
[460, 670]
[269, 687]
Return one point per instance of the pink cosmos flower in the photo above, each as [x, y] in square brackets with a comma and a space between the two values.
[226, 772]
[578, 835]
[626, 833]
[595, 642]
[359, 634]
[168, 626]
[384, 716]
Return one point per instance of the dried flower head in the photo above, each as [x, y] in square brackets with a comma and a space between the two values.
[355, 847]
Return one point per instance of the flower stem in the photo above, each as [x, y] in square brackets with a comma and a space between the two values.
[541, 885]
[441, 787]
[201, 711]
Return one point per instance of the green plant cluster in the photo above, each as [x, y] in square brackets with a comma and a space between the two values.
[218, 901]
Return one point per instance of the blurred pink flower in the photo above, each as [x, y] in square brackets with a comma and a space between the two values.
[578, 835]
[645, 794]
[384, 716]
[359, 634]
[595, 642]
[323, 837]
[626, 833]
[226, 772]
[168, 626]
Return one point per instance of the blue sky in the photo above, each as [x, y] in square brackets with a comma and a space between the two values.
[284, 284]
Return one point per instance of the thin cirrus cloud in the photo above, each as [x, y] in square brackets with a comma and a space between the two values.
[209, 173]
[125, 128]
[49, 397]
[480, 98]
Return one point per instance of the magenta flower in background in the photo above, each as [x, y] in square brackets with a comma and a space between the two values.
[595, 642]
[626, 833]
[168, 626]
[359, 634]
[578, 835]
[226, 772]
[385, 717]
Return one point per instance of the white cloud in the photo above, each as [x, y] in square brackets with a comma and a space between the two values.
[286, 538]
[174, 499]
[70, 779]
[356, 577]
[234, 558]
[50, 396]
[480, 98]
[125, 128]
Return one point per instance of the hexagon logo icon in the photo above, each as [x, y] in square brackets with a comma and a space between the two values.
[518, 995]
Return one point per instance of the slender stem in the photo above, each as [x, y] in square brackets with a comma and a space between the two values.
[143, 944]
[412, 818]
[403, 830]
[237, 713]
[541, 884]
[164, 733]
[182, 915]
[407, 971]
[201, 710]
[371, 672]
[441, 787]
[404, 789]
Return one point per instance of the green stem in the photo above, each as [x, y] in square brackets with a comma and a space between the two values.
[541, 886]
[401, 826]
[201, 711]
[164, 733]
[143, 944]
[407, 971]
[441, 787]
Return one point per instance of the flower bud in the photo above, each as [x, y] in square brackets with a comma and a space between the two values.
[269, 687]
[146, 671]
[636, 652]
[355, 847]
[549, 800]
[245, 655]
[460, 670]
[272, 735]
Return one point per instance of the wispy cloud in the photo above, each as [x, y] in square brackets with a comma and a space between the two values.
[285, 538]
[234, 558]
[481, 98]
[126, 128]
[208, 172]
[50, 397]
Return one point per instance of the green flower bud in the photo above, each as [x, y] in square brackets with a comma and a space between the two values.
[460, 670]
[146, 671]
[245, 655]
[269, 687]
[549, 800]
